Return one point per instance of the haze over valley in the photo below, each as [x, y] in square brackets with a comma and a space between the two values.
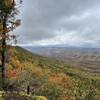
[87, 58]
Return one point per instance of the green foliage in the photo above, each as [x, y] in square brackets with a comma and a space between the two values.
[53, 79]
[85, 86]
[6, 6]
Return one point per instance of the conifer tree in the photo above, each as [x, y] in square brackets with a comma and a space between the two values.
[8, 22]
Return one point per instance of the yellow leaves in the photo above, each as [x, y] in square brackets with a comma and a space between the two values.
[1, 30]
[36, 70]
[1, 26]
[40, 98]
[8, 3]
[17, 63]
[67, 98]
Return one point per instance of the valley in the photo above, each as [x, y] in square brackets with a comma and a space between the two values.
[86, 58]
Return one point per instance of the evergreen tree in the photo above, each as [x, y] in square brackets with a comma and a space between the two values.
[8, 22]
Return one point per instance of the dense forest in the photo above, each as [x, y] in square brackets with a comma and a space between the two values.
[49, 77]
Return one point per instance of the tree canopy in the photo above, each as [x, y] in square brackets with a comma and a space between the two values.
[8, 22]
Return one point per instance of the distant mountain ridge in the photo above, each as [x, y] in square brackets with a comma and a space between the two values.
[77, 56]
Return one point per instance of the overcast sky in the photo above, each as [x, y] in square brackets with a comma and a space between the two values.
[53, 22]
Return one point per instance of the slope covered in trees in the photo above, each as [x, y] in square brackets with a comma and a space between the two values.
[48, 77]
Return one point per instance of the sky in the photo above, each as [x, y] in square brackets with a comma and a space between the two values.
[59, 22]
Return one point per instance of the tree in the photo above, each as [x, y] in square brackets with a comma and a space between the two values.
[8, 22]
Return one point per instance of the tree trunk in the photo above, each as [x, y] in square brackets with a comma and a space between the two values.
[3, 52]
[28, 89]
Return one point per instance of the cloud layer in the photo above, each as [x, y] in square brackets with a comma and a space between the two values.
[48, 22]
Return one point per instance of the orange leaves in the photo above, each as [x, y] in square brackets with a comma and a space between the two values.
[59, 79]
[12, 73]
[64, 84]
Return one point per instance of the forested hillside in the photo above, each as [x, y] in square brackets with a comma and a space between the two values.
[49, 77]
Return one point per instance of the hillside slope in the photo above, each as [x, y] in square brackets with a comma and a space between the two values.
[49, 77]
[87, 58]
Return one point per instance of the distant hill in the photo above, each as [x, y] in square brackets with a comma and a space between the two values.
[52, 78]
[87, 58]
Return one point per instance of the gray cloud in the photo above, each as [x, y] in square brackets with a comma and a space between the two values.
[51, 21]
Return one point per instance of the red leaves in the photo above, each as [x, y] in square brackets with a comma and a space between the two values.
[13, 73]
